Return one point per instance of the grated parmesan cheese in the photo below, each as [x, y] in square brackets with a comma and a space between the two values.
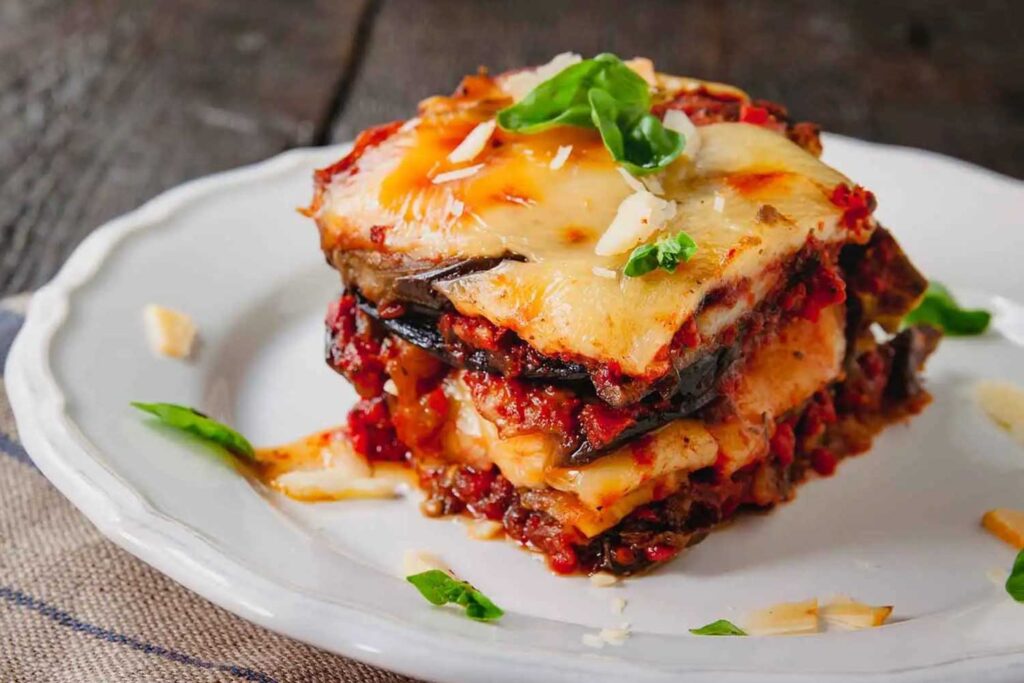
[719, 203]
[520, 83]
[614, 636]
[787, 618]
[639, 216]
[644, 68]
[606, 273]
[171, 333]
[1003, 402]
[679, 122]
[603, 580]
[484, 530]
[561, 156]
[852, 615]
[631, 180]
[474, 143]
[419, 561]
[457, 174]
[334, 483]
[1006, 524]
[618, 605]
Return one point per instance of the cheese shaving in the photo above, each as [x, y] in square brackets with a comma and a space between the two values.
[520, 83]
[171, 333]
[457, 174]
[787, 618]
[419, 561]
[614, 636]
[644, 68]
[1006, 524]
[631, 180]
[679, 122]
[474, 143]
[639, 216]
[719, 203]
[852, 615]
[603, 580]
[618, 605]
[334, 483]
[561, 156]
[1003, 402]
[485, 530]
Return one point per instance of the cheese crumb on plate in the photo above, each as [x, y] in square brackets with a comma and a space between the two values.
[171, 333]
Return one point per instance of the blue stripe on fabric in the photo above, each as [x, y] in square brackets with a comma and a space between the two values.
[10, 323]
[19, 599]
[14, 449]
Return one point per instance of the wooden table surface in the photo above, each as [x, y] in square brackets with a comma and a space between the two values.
[104, 103]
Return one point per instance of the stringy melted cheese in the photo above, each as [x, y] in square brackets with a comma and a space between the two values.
[560, 299]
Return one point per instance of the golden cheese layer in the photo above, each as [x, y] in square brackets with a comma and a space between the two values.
[403, 198]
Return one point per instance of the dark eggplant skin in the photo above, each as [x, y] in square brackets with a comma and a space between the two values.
[418, 288]
[911, 348]
[697, 387]
[419, 327]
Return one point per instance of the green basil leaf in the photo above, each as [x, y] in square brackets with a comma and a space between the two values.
[1015, 582]
[558, 101]
[643, 260]
[666, 253]
[718, 628]
[650, 146]
[191, 420]
[604, 112]
[939, 309]
[605, 94]
[675, 250]
[440, 588]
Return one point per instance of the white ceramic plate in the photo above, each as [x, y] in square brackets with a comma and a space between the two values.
[896, 526]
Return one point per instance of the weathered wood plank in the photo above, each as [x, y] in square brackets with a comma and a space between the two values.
[947, 76]
[105, 103]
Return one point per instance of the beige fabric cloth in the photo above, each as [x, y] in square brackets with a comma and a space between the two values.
[76, 608]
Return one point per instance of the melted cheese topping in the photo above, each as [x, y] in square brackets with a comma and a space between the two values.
[554, 213]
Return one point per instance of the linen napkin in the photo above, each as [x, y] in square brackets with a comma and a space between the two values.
[76, 608]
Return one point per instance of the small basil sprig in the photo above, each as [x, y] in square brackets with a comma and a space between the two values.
[606, 94]
[721, 627]
[191, 420]
[939, 309]
[440, 588]
[1015, 582]
[666, 253]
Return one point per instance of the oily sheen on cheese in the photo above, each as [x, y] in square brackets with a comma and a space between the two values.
[560, 299]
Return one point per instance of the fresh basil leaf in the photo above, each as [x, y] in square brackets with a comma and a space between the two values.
[939, 309]
[650, 146]
[718, 628]
[440, 588]
[558, 101]
[605, 94]
[675, 250]
[604, 113]
[666, 253]
[643, 260]
[1015, 582]
[191, 420]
